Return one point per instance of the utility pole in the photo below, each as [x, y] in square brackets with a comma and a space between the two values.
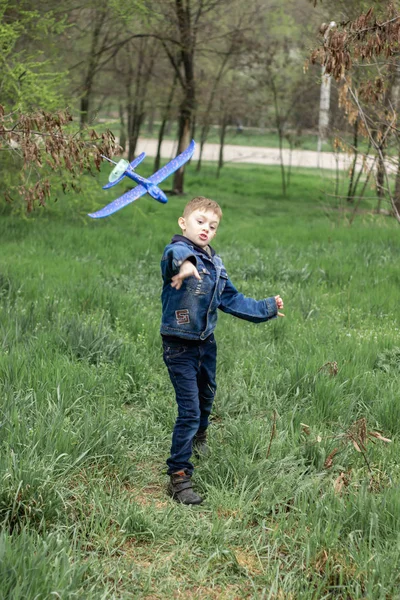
[325, 97]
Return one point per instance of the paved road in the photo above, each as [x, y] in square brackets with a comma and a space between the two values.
[252, 154]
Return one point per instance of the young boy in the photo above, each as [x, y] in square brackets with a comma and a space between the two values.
[195, 285]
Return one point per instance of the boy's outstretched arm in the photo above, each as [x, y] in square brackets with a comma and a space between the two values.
[175, 255]
[257, 311]
[187, 270]
[279, 304]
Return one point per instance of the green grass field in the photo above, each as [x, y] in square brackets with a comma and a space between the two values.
[87, 408]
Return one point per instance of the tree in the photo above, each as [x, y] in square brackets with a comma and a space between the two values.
[231, 100]
[135, 65]
[188, 24]
[42, 145]
[369, 100]
[225, 56]
[276, 69]
[26, 78]
[97, 31]
[165, 117]
[36, 138]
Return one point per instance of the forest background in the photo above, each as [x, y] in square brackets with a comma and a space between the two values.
[214, 70]
[302, 486]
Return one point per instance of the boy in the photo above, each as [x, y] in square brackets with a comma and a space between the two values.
[195, 285]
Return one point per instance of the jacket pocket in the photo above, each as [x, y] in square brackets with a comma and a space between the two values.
[202, 286]
[223, 278]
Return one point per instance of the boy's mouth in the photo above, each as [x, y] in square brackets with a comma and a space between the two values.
[203, 237]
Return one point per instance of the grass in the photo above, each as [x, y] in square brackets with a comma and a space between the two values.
[87, 408]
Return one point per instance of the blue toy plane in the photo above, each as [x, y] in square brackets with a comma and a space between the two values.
[146, 186]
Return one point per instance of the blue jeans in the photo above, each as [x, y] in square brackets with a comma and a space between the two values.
[191, 368]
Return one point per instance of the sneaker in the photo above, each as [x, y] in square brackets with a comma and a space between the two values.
[180, 488]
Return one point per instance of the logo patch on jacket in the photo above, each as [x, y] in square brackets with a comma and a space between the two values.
[182, 316]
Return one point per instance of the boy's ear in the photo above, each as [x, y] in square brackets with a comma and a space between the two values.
[182, 223]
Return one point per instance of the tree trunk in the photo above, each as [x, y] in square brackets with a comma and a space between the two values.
[199, 162]
[187, 107]
[380, 180]
[324, 110]
[279, 123]
[136, 108]
[397, 187]
[150, 125]
[206, 125]
[396, 102]
[222, 134]
[166, 115]
[381, 169]
[134, 136]
[161, 131]
[283, 174]
[184, 128]
[85, 100]
[193, 129]
[351, 191]
[122, 134]
[202, 142]
[100, 18]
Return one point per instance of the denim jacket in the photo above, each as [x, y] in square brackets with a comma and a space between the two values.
[191, 311]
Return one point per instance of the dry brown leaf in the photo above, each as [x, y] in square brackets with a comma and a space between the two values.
[305, 428]
[369, 13]
[339, 483]
[331, 366]
[356, 446]
[378, 436]
[322, 560]
[329, 459]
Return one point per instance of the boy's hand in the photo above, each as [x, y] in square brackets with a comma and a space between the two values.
[279, 304]
[187, 270]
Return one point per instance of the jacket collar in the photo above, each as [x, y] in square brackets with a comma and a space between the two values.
[185, 240]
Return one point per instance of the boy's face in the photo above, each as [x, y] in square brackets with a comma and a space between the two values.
[200, 226]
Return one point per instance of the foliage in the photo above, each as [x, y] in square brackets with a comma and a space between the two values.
[359, 40]
[39, 147]
[370, 99]
[389, 360]
[44, 146]
[28, 78]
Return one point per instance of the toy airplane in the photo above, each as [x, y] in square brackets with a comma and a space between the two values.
[146, 186]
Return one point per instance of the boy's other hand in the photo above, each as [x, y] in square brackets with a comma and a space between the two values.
[279, 304]
[187, 270]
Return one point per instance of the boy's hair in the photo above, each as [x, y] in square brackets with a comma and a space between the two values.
[204, 203]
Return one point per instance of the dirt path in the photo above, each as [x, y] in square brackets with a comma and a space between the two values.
[252, 154]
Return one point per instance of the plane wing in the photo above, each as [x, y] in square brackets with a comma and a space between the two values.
[174, 164]
[136, 161]
[120, 202]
